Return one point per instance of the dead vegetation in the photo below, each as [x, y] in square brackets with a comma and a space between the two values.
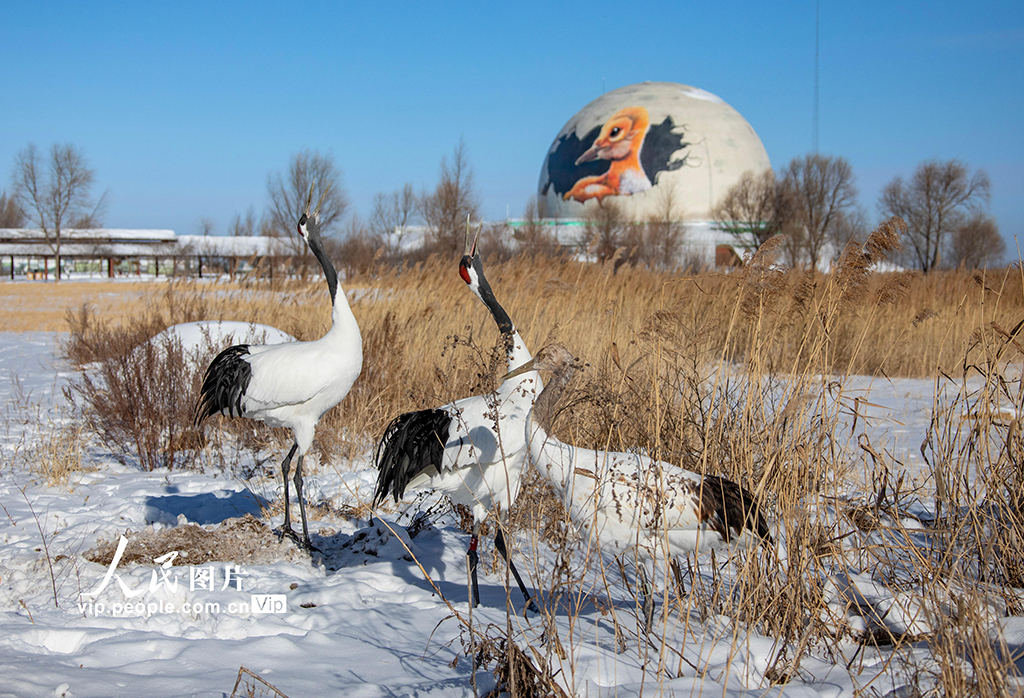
[42, 307]
[425, 341]
[744, 375]
[59, 456]
[241, 540]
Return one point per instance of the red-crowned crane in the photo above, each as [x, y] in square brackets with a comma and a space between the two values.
[290, 385]
[629, 502]
[474, 449]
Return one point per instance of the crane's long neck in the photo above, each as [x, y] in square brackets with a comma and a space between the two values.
[317, 246]
[515, 349]
[342, 319]
[501, 318]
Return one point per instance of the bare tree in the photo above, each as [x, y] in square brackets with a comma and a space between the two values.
[11, 215]
[206, 226]
[633, 243]
[357, 251]
[532, 234]
[248, 225]
[286, 196]
[977, 243]
[939, 199]
[605, 229]
[819, 188]
[848, 226]
[749, 210]
[454, 199]
[56, 193]
[392, 214]
[794, 245]
[495, 240]
[664, 233]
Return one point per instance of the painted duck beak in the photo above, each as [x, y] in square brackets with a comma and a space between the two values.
[590, 154]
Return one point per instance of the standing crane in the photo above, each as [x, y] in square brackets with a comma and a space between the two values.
[290, 385]
[474, 449]
[630, 502]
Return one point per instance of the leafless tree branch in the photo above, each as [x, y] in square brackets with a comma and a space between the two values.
[55, 194]
[939, 198]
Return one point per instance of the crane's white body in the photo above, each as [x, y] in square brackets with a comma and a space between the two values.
[486, 451]
[290, 385]
[294, 384]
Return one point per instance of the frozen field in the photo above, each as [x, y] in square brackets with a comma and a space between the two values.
[358, 620]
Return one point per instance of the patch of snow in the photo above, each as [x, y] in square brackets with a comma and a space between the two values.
[359, 618]
[221, 333]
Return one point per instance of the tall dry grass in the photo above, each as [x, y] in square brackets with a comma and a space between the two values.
[742, 374]
[751, 381]
[426, 337]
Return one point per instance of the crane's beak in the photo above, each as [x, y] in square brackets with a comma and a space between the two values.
[470, 248]
[309, 199]
[323, 195]
[525, 368]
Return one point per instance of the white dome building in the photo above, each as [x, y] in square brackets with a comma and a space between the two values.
[638, 143]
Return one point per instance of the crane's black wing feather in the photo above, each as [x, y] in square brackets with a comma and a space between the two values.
[225, 384]
[412, 444]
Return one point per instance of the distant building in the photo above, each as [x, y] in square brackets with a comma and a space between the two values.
[644, 144]
[112, 251]
[652, 149]
[703, 245]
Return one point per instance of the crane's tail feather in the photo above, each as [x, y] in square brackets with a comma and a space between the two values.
[732, 509]
[412, 443]
[225, 384]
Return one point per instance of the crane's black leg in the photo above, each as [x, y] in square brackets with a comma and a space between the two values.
[499, 543]
[286, 529]
[473, 560]
[308, 544]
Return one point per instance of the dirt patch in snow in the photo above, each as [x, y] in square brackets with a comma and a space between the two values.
[245, 539]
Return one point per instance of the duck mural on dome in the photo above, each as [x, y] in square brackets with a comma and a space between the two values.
[622, 156]
[647, 146]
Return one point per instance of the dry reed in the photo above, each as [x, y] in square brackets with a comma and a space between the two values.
[740, 374]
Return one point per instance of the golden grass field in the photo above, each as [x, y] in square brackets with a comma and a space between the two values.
[31, 306]
[738, 374]
[921, 329]
[428, 340]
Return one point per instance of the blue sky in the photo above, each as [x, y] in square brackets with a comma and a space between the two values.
[184, 108]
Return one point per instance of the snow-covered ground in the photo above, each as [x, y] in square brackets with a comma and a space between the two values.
[360, 619]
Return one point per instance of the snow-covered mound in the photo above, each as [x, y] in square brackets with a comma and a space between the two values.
[205, 334]
[200, 340]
